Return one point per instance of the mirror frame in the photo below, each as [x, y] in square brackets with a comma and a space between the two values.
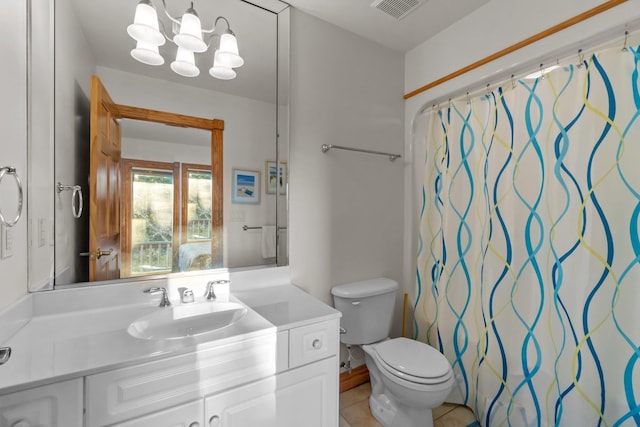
[41, 141]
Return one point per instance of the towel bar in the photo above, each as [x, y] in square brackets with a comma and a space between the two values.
[76, 210]
[246, 227]
[8, 170]
[327, 147]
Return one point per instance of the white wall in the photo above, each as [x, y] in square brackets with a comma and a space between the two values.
[13, 144]
[346, 208]
[476, 36]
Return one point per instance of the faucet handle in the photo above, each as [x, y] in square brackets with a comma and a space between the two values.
[210, 295]
[164, 302]
[187, 296]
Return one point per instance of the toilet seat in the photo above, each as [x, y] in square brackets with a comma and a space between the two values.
[413, 361]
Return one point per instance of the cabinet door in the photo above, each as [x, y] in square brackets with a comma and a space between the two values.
[188, 415]
[55, 405]
[307, 396]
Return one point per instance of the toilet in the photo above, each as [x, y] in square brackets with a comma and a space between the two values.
[408, 378]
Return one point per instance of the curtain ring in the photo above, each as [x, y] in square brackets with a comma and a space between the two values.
[624, 47]
[513, 82]
[580, 58]
[8, 170]
[541, 72]
[468, 99]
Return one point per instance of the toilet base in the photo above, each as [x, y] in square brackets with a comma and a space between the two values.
[386, 413]
[382, 409]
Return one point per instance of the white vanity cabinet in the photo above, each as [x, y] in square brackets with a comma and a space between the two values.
[277, 367]
[54, 405]
[241, 384]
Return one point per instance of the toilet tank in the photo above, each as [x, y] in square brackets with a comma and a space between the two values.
[367, 309]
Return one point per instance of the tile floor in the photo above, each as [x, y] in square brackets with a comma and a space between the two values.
[354, 411]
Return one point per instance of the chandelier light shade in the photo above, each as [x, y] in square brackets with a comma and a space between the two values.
[228, 51]
[189, 36]
[219, 70]
[147, 54]
[145, 25]
[185, 63]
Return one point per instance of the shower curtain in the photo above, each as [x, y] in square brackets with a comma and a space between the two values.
[528, 269]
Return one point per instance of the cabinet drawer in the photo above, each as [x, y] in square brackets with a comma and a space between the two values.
[130, 392]
[313, 342]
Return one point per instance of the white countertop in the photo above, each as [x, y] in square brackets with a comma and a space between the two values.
[286, 306]
[55, 345]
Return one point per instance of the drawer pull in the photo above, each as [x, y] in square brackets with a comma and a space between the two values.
[214, 421]
[355, 302]
[194, 424]
[317, 344]
[21, 423]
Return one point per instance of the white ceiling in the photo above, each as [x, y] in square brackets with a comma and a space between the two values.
[360, 18]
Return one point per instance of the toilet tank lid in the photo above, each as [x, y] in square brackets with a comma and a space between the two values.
[365, 288]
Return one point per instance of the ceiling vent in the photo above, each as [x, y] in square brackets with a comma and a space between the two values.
[396, 8]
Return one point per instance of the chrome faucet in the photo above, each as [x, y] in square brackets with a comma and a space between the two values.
[164, 302]
[210, 295]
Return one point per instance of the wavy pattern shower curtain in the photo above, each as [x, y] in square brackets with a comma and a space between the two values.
[528, 272]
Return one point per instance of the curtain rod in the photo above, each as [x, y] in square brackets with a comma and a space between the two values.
[517, 46]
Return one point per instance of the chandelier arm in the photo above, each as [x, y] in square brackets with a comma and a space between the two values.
[166, 12]
[215, 24]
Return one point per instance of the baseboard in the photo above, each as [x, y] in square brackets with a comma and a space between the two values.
[359, 375]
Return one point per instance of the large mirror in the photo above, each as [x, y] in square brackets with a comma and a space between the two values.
[168, 203]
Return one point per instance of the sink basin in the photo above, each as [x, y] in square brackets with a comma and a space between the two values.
[186, 320]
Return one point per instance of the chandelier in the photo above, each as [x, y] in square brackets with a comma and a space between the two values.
[188, 36]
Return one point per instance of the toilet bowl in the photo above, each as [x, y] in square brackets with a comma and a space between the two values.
[408, 380]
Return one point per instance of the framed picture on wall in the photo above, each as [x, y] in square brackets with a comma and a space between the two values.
[245, 186]
[274, 178]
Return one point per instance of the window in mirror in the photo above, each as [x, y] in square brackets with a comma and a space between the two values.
[150, 217]
[196, 203]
